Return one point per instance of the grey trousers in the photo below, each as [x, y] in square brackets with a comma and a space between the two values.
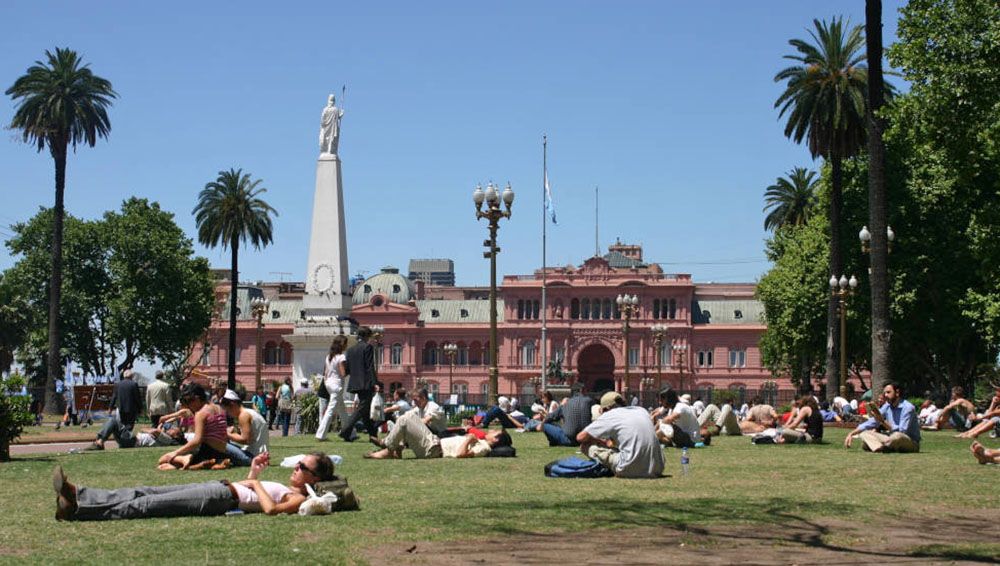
[187, 500]
[123, 434]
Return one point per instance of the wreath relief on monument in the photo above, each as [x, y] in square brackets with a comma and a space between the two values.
[323, 278]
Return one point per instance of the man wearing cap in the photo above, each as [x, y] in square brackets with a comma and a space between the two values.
[127, 399]
[250, 435]
[623, 440]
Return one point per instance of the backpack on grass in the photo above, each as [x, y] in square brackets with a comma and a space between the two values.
[574, 467]
[346, 500]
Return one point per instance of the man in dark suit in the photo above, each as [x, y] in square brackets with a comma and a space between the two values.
[127, 399]
[361, 369]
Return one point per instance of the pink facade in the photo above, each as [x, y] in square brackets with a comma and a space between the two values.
[710, 341]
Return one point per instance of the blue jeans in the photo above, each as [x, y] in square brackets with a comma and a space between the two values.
[556, 436]
[496, 413]
[238, 456]
[284, 419]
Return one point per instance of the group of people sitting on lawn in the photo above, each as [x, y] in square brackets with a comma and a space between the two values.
[199, 430]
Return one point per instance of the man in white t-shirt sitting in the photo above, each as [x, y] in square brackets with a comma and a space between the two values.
[430, 412]
[678, 426]
[623, 439]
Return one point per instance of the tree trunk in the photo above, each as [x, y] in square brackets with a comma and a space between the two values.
[877, 200]
[234, 284]
[55, 369]
[836, 270]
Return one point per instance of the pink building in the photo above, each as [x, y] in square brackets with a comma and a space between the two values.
[709, 331]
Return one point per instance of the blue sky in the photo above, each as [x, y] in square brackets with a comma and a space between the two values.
[666, 106]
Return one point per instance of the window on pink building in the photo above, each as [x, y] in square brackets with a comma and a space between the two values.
[430, 354]
[705, 359]
[574, 309]
[396, 355]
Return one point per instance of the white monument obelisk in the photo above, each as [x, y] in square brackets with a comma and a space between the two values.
[327, 302]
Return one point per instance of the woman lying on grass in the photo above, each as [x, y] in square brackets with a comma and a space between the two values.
[78, 503]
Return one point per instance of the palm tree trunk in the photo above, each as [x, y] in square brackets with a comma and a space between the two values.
[877, 200]
[234, 284]
[52, 401]
[836, 269]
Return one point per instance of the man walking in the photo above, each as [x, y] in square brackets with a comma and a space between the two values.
[361, 369]
[158, 399]
[127, 399]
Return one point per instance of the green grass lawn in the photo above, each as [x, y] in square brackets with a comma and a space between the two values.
[732, 482]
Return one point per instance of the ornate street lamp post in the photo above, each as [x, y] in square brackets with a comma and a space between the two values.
[679, 354]
[493, 213]
[866, 237]
[450, 350]
[841, 289]
[259, 307]
[629, 307]
[659, 333]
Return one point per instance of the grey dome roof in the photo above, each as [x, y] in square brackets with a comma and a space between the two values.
[389, 283]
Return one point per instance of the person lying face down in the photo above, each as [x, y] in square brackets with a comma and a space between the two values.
[79, 503]
[411, 431]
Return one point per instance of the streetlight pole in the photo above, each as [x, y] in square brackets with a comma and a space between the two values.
[629, 306]
[679, 350]
[659, 333]
[841, 289]
[259, 306]
[493, 214]
[450, 350]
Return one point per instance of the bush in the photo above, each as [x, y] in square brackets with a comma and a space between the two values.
[457, 418]
[15, 412]
[309, 412]
[722, 396]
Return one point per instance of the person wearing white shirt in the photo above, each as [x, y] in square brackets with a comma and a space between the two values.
[430, 412]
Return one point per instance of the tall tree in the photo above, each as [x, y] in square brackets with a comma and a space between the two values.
[877, 199]
[824, 98]
[60, 103]
[230, 211]
[791, 199]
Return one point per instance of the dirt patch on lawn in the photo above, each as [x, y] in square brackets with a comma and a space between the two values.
[949, 540]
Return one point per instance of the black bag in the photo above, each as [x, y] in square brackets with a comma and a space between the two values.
[503, 452]
[346, 500]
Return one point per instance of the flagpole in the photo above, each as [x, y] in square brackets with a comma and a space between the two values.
[597, 245]
[545, 220]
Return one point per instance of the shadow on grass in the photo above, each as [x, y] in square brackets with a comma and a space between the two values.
[767, 521]
[30, 458]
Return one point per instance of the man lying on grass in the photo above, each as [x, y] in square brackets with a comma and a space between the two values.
[79, 503]
[411, 431]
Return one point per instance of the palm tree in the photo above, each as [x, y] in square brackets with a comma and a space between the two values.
[60, 103]
[791, 199]
[877, 201]
[825, 101]
[230, 211]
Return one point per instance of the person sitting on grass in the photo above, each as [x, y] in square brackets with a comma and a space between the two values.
[504, 412]
[411, 431]
[207, 448]
[809, 416]
[250, 435]
[897, 417]
[678, 426]
[959, 413]
[430, 412]
[760, 417]
[985, 455]
[623, 439]
[79, 503]
[928, 413]
[989, 420]
[575, 414]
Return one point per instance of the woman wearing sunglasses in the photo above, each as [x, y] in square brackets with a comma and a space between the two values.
[78, 503]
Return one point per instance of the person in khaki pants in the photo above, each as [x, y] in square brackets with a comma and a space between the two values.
[896, 418]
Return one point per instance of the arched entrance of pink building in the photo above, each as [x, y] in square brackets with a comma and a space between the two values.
[596, 367]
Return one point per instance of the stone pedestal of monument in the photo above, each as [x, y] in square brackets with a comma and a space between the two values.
[326, 305]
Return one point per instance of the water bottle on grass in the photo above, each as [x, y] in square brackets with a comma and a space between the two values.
[685, 461]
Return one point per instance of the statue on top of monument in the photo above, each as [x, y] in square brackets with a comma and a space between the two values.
[329, 130]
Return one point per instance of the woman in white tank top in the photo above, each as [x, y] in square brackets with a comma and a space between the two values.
[333, 380]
